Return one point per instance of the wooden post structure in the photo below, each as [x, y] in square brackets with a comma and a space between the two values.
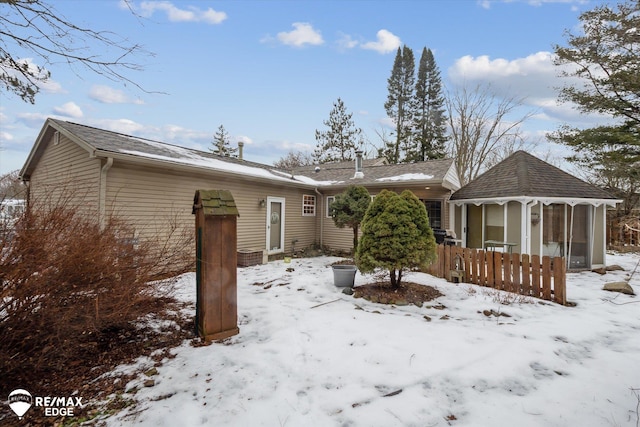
[216, 264]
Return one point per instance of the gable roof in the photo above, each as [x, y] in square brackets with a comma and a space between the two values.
[104, 144]
[523, 174]
[427, 172]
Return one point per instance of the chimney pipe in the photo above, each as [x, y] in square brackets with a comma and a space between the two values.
[359, 173]
[240, 147]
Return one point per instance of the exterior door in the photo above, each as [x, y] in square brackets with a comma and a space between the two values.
[275, 225]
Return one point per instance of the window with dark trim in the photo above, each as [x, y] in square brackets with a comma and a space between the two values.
[434, 210]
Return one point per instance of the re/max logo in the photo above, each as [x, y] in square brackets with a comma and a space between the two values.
[58, 401]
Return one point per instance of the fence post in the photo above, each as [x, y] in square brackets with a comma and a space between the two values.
[546, 278]
[482, 264]
[466, 256]
[490, 275]
[560, 280]
[535, 275]
[515, 271]
[526, 275]
[474, 266]
[497, 270]
[506, 264]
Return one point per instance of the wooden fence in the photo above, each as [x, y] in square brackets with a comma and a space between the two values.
[624, 231]
[522, 274]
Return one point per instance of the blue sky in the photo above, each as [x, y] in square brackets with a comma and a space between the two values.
[270, 71]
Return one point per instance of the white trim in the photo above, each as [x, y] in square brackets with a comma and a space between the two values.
[545, 200]
[328, 205]
[314, 205]
[280, 200]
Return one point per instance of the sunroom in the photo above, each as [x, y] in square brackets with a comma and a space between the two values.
[525, 205]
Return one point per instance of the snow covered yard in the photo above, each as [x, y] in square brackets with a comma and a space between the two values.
[354, 363]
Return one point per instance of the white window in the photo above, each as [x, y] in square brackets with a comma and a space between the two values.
[330, 200]
[308, 205]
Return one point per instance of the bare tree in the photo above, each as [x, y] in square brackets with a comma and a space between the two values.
[293, 159]
[480, 130]
[11, 187]
[34, 28]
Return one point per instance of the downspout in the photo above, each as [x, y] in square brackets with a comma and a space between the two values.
[321, 196]
[103, 192]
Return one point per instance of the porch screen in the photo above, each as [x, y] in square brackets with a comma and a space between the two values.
[494, 219]
[553, 230]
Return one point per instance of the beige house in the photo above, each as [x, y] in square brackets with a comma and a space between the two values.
[528, 206]
[152, 184]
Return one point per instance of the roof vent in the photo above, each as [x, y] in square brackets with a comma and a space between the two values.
[240, 150]
[359, 173]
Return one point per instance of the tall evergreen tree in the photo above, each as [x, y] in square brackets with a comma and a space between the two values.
[221, 145]
[430, 120]
[400, 105]
[603, 61]
[341, 140]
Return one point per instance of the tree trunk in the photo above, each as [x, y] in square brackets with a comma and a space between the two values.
[355, 239]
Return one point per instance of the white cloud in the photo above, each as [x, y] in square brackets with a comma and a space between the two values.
[69, 109]
[386, 42]
[303, 34]
[346, 42]
[534, 78]
[47, 85]
[175, 14]
[125, 126]
[109, 95]
[244, 138]
[5, 136]
[32, 120]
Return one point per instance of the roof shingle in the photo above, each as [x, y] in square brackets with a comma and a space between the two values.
[523, 174]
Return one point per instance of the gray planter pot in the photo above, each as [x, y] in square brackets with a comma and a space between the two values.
[344, 275]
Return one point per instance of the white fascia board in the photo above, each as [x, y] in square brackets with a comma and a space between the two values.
[543, 200]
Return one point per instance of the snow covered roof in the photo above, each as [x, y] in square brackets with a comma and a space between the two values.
[428, 172]
[104, 143]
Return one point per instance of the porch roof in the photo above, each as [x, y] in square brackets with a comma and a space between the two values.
[524, 176]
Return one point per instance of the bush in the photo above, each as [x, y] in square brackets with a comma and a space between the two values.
[66, 283]
[396, 235]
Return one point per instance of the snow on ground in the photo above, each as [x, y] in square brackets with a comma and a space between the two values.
[355, 363]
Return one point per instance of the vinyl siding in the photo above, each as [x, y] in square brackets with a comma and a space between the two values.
[342, 239]
[151, 198]
[65, 169]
